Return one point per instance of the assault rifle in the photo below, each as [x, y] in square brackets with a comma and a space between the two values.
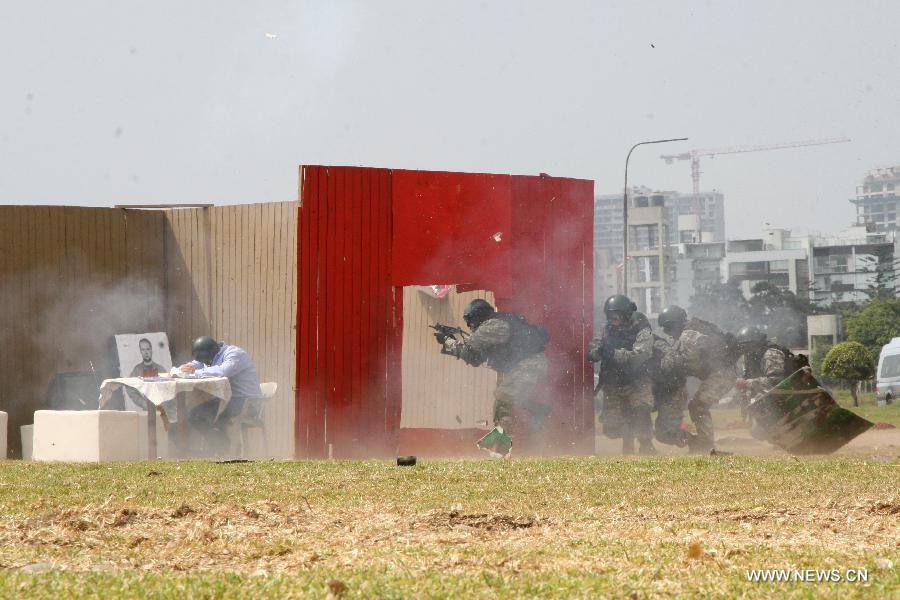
[447, 331]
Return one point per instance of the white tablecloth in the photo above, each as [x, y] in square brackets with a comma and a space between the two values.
[160, 391]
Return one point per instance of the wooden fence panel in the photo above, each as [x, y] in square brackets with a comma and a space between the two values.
[439, 391]
[69, 279]
[231, 274]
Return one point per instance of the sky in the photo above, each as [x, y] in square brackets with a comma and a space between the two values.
[122, 102]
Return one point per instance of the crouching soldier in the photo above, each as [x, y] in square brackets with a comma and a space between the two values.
[515, 349]
[669, 396]
[762, 365]
[703, 351]
[623, 350]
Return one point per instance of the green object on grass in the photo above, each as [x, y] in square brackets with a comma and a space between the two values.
[496, 441]
[800, 416]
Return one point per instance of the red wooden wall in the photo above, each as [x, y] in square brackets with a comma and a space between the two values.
[363, 233]
[349, 315]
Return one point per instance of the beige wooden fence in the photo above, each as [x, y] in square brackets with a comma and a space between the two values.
[72, 277]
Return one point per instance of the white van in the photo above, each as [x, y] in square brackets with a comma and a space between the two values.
[887, 386]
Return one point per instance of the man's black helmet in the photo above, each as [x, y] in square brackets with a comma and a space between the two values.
[750, 336]
[477, 312]
[619, 304]
[204, 349]
[672, 317]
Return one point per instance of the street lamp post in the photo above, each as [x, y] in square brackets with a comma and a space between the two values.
[625, 211]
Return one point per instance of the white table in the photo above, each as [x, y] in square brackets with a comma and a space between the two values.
[160, 390]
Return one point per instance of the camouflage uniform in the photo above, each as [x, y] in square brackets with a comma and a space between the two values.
[627, 393]
[668, 397]
[706, 358]
[763, 373]
[519, 375]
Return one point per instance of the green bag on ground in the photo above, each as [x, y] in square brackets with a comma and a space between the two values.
[497, 442]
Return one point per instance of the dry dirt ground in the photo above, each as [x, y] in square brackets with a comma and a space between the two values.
[736, 438]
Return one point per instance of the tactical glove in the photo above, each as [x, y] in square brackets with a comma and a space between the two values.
[440, 337]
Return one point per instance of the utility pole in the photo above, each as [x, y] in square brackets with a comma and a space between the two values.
[625, 211]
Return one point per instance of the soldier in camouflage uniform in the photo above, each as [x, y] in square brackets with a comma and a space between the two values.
[512, 347]
[669, 394]
[623, 350]
[762, 366]
[701, 350]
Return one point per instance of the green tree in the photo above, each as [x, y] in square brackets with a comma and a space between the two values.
[850, 362]
[817, 358]
[721, 303]
[781, 313]
[875, 324]
[882, 265]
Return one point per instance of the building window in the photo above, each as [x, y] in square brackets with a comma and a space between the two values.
[646, 269]
[832, 264]
[778, 266]
[644, 237]
[750, 268]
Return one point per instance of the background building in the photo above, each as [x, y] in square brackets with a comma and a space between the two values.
[698, 265]
[700, 218]
[777, 258]
[876, 199]
[847, 268]
[651, 256]
[662, 220]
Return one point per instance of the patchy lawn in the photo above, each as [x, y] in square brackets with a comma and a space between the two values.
[571, 527]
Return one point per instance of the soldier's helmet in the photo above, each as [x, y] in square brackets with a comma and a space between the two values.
[750, 336]
[477, 312]
[672, 318]
[619, 306]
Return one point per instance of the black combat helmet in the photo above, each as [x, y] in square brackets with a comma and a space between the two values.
[620, 306]
[204, 349]
[477, 312]
[672, 319]
[750, 336]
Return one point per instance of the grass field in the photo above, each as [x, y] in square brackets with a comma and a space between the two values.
[575, 527]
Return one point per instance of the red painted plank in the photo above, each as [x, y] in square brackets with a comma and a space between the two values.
[302, 352]
[379, 367]
[336, 426]
[367, 294]
[349, 302]
[330, 307]
[360, 178]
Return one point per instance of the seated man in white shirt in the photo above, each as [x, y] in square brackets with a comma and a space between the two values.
[218, 359]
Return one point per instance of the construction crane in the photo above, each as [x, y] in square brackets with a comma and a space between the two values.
[694, 155]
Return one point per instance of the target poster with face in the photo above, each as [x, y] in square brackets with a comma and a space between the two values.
[142, 355]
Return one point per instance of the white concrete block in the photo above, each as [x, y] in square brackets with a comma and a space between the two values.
[27, 432]
[162, 436]
[87, 435]
[4, 419]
